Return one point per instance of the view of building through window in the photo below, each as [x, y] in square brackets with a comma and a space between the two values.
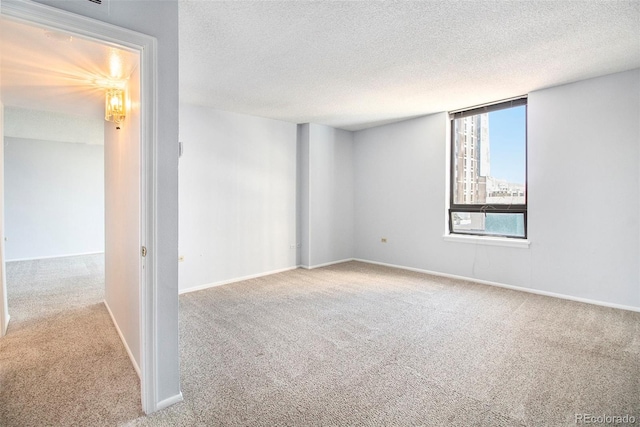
[489, 173]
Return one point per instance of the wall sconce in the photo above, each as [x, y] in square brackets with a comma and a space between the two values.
[114, 106]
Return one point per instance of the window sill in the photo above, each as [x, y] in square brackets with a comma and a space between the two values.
[487, 240]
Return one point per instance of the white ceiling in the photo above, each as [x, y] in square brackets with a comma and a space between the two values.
[349, 65]
[53, 126]
[353, 65]
[49, 71]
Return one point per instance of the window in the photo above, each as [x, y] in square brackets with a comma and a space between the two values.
[490, 197]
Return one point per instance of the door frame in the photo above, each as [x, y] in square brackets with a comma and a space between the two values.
[146, 46]
[4, 307]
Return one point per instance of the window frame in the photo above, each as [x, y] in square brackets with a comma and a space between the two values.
[488, 207]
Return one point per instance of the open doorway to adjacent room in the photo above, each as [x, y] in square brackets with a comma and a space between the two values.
[72, 212]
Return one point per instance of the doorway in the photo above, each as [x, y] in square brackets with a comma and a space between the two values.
[54, 194]
[128, 208]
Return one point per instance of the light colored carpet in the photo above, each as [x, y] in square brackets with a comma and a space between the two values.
[62, 362]
[362, 345]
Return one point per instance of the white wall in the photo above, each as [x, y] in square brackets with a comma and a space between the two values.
[160, 20]
[237, 196]
[252, 188]
[399, 172]
[54, 198]
[583, 196]
[122, 227]
[584, 143]
[327, 194]
[55, 189]
[302, 205]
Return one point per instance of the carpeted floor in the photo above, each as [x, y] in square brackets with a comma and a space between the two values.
[62, 362]
[357, 344]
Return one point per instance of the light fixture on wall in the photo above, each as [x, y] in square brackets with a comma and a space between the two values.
[114, 106]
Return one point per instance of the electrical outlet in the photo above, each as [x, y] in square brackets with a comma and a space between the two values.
[181, 258]
[383, 240]
[298, 245]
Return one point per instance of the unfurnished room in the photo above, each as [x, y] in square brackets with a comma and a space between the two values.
[319, 213]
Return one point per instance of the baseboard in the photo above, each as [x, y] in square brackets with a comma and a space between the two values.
[54, 256]
[512, 287]
[234, 280]
[124, 342]
[3, 332]
[169, 401]
[311, 267]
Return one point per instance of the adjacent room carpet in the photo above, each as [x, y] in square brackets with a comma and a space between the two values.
[362, 345]
[347, 345]
[62, 362]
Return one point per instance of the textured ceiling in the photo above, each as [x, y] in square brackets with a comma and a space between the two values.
[353, 65]
[346, 64]
[53, 126]
[50, 71]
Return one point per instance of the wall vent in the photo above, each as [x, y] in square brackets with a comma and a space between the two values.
[94, 7]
